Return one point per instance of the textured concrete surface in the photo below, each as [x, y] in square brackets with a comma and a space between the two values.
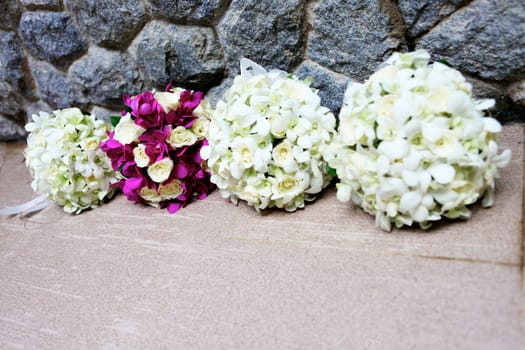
[216, 276]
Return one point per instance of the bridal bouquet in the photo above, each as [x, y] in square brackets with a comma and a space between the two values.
[156, 146]
[266, 140]
[65, 160]
[414, 146]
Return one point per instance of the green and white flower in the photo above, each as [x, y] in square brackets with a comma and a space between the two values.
[267, 138]
[414, 146]
[65, 160]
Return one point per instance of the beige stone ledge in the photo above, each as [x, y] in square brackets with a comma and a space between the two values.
[216, 275]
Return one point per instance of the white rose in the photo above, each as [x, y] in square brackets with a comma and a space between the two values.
[287, 187]
[127, 131]
[244, 152]
[160, 171]
[203, 110]
[140, 156]
[171, 190]
[180, 136]
[168, 100]
[200, 126]
[150, 195]
[283, 156]
[279, 123]
[91, 144]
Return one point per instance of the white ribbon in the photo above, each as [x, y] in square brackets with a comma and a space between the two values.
[33, 205]
[251, 69]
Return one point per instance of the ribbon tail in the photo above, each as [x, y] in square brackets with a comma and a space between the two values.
[250, 69]
[36, 204]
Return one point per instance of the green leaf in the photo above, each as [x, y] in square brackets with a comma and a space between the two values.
[309, 80]
[445, 62]
[331, 171]
[114, 119]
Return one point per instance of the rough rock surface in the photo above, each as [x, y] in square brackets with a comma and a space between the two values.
[42, 4]
[12, 83]
[185, 55]
[53, 85]
[269, 34]
[351, 37]
[9, 130]
[88, 53]
[486, 39]
[10, 12]
[51, 36]
[206, 11]
[102, 76]
[109, 23]
[331, 86]
[419, 16]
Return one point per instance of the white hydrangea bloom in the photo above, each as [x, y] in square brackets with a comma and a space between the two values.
[65, 160]
[413, 145]
[267, 139]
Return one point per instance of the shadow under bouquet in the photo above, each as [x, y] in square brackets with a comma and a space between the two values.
[155, 147]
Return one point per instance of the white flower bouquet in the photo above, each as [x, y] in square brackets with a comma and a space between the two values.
[414, 146]
[65, 160]
[266, 140]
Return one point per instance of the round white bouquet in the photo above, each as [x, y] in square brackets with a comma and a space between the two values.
[413, 145]
[65, 160]
[267, 138]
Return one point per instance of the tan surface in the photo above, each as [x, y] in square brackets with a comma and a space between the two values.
[214, 275]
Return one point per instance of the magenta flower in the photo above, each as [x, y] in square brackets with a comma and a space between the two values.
[147, 111]
[184, 115]
[179, 171]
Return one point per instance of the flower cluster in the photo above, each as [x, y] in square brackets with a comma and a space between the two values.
[414, 146]
[156, 148]
[267, 138]
[65, 161]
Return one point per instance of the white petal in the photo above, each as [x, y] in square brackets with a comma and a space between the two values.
[343, 192]
[492, 125]
[485, 104]
[410, 201]
[420, 214]
[443, 173]
[411, 178]
[503, 159]
[445, 196]
[431, 132]
[396, 149]
[424, 180]
[383, 164]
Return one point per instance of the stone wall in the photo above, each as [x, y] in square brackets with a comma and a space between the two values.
[87, 53]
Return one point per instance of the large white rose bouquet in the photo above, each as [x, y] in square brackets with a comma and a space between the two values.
[65, 160]
[266, 140]
[413, 145]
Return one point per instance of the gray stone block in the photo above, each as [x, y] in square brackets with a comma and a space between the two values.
[54, 5]
[109, 23]
[270, 34]
[351, 37]
[12, 61]
[331, 86]
[9, 130]
[420, 16]
[10, 12]
[191, 11]
[51, 36]
[103, 76]
[53, 85]
[185, 55]
[486, 38]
